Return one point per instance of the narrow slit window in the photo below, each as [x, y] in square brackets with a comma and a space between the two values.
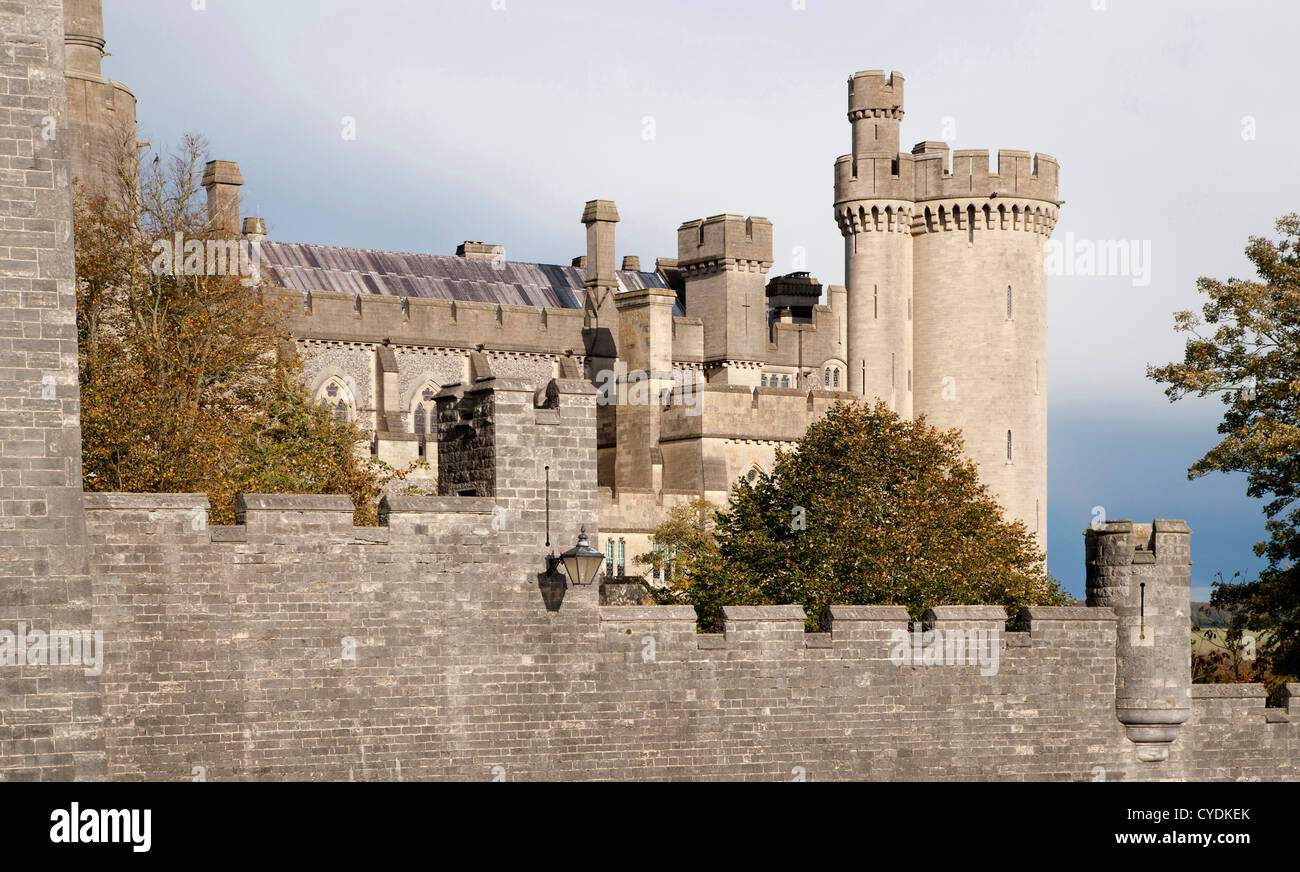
[875, 301]
[1008, 302]
[1008, 446]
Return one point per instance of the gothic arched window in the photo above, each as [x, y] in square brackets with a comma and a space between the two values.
[337, 397]
[424, 415]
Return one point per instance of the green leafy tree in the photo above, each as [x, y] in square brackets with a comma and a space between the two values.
[1244, 347]
[685, 547]
[868, 508]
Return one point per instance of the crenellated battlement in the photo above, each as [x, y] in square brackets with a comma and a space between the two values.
[1022, 182]
[739, 412]
[724, 242]
[876, 94]
[375, 318]
[1019, 175]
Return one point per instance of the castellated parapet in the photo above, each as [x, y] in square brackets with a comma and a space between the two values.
[437, 647]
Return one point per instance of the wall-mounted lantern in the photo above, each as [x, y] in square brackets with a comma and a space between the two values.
[581, 563]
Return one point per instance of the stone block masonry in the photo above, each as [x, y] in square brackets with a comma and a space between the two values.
[50, 716]
[295, 646]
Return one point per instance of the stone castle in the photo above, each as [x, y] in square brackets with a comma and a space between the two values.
[440, 644]
[944, 313]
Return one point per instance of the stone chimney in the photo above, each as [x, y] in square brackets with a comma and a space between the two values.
[631, 263]
[254, 229]
[221, 179]
[600, 216]
[474, 250]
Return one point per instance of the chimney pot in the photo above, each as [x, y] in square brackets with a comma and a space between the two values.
[475, 250]
[254, 229]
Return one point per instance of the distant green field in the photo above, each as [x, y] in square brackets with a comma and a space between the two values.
[1201, 645]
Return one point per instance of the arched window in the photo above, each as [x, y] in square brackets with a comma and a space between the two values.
[826, 377]
[970, 223]
[785, 381]
[424, 415]
[337, 397]
[764, 382]
[835, 378]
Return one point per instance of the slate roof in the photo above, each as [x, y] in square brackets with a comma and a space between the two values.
[356, 271]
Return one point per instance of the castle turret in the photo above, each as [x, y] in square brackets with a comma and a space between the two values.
[1143, 572]
[101, 114]
[873, 207]
[723, 260]
[947, 291]
[980, 314]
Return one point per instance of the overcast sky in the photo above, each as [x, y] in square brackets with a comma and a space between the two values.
[1175, 125]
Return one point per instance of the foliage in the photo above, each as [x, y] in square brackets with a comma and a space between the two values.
[867, 509]
[1245, 348]
[184, 384]
[1233, 653]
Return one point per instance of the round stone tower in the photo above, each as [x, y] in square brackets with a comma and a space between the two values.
[980, 313]
[1143, 572]
[101, 114]
[873, 206]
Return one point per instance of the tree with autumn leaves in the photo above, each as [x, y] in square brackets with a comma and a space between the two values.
[867, 509]
[185, 382]
[1244, 347]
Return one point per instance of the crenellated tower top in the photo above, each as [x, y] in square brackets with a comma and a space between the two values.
[875, 111]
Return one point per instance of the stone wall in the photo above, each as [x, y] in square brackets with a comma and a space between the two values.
[295, 645]
[49, 716]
